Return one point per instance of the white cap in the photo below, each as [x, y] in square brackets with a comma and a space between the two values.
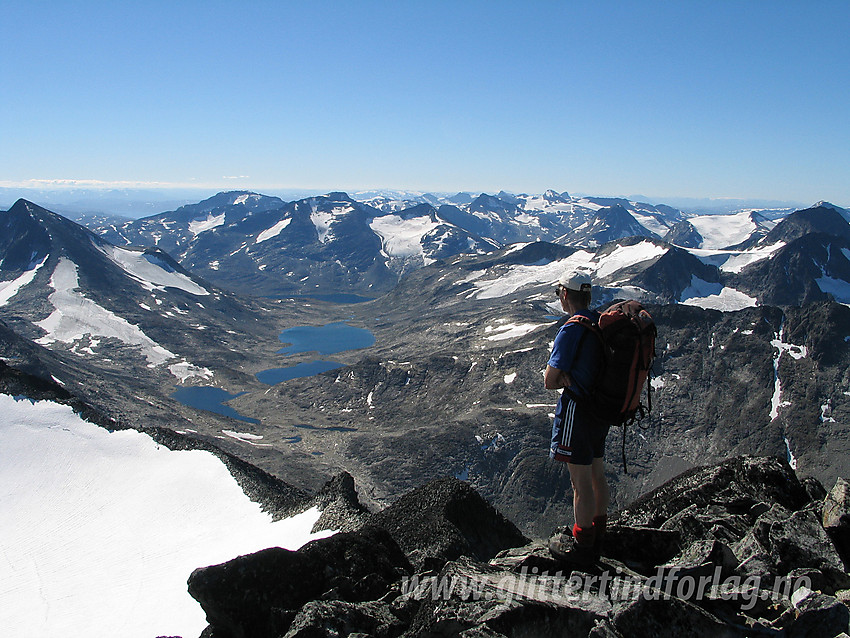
[579, 281]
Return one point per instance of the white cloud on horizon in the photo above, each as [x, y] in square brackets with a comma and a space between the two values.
[94, 183]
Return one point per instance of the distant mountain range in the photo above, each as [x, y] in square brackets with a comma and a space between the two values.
[120, 315]
[261, 245]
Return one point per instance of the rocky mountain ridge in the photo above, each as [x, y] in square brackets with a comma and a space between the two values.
[741, 548]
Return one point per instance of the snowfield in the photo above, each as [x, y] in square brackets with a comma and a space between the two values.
[323, 220]
[101, 530]
[75, 316]
[184, 370]
[603, 266]
[511, 331]
[735, 260]
[625, 256]
[838, 288]
[520, 276]
[720, 231]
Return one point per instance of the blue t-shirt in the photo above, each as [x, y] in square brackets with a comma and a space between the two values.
[581, 364]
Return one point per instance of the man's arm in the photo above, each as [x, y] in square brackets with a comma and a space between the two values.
[555, 379]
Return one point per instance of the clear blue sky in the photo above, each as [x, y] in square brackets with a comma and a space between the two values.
[701, 99]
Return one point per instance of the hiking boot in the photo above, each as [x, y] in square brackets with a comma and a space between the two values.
[600, 523]
[566, 549]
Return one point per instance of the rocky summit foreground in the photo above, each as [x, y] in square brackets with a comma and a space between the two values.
[741, 548]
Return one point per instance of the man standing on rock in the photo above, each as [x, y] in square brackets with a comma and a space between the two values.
[578, 439]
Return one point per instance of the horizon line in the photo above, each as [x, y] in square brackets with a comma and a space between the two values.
[62, 184]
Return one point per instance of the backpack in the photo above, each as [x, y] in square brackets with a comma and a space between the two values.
[627, 333]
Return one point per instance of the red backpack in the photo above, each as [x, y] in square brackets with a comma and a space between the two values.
[627, 333]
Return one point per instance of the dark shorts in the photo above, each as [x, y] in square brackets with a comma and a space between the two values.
[576, 436]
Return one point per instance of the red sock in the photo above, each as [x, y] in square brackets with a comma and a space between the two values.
[584, 535]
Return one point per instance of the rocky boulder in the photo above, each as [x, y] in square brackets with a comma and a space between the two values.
[444, 520]
[836, 517]
[260, 594]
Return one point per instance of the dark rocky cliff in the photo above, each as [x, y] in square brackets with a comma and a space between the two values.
[740, 548]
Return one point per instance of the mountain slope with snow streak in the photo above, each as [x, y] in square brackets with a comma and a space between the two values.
[75, 316]
[152, 271]
[9, 289]
[108, 526]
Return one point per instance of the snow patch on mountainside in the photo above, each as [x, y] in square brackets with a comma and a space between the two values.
[735, 261]
[274, 231]
[105, 527]
[511, 331]
[323, 220]
[151, 271]
[198, 226]
[738, 261]
[838, 288]
[715, 296]
[246, 437]
[402, 237]
[75, 316]
[9, 289]
[244, 197]
[700, 288]
[185, 370]
[589, 205]
[650, 223]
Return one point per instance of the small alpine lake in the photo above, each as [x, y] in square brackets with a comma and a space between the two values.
[322, 340]
[211, 399]
[328, 339]
[274, 376]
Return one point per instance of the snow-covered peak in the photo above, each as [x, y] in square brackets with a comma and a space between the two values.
[845, 213]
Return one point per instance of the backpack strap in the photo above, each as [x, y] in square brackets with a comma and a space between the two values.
[592, 327]
[587, 323]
